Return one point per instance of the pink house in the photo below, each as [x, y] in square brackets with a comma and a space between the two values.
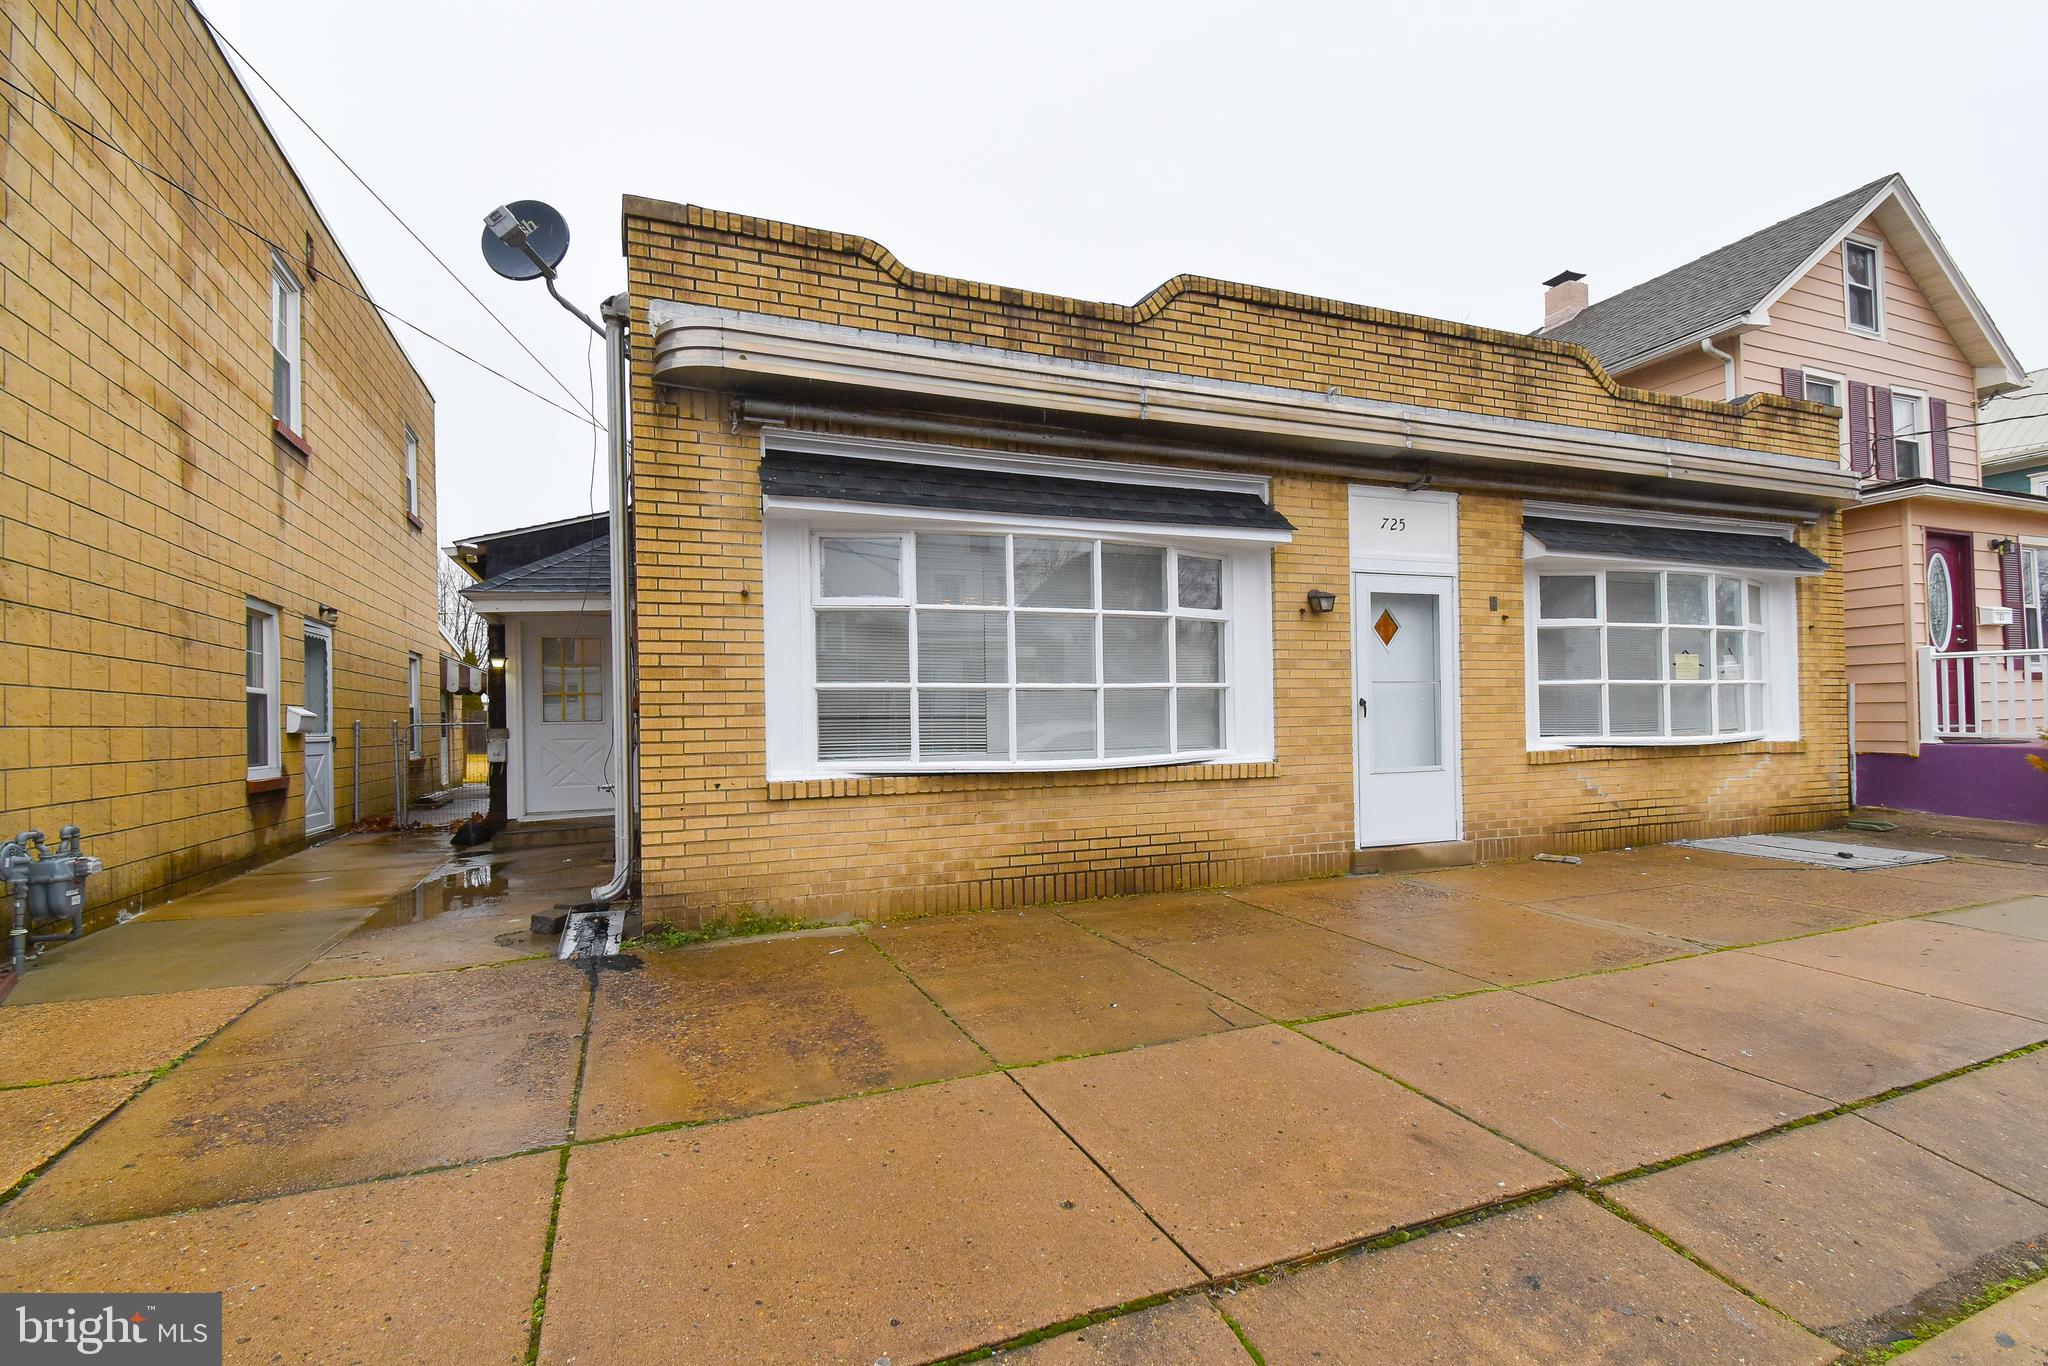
[1856, 304]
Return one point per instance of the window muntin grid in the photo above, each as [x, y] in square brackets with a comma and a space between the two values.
[1016, 650]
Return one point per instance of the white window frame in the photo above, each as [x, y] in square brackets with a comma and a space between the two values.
[1876, 286]
[412, 473]
[2033, 607]
[1780, 639]
[412, 705]
[287, 324]
[1923, 455]
[2037, 483]
[1840, 384]
[271, 687]
[792, 599]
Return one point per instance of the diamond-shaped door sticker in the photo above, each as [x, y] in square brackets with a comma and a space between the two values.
[1385, 627]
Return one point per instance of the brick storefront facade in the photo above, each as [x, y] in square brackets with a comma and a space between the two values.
[717, 835]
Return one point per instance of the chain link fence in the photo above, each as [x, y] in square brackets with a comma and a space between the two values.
[433, 774]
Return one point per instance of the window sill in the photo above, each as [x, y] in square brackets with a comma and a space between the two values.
[412, 519]
[267, 787]
[292, 439]
[1662, 749]
[798, 789]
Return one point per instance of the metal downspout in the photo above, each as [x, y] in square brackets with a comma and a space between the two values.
[623, 775]
[1727, 365]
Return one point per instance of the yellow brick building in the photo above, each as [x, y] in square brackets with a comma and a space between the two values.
[208, 443]
[1251, 585]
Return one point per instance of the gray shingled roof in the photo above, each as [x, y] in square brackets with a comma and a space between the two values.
[893, 483]
[1718, 288]
[581, 569]
[1672, 545]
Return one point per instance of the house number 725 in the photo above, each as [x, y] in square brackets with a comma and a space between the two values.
[1393, 524]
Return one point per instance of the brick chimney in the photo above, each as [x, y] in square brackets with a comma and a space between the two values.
[1564, 295]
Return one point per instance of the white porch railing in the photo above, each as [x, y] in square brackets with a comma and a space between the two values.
[1983, 694]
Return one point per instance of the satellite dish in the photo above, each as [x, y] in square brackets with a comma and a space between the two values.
[542, 230]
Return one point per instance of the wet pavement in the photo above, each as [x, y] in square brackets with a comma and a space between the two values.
[1662, 1104]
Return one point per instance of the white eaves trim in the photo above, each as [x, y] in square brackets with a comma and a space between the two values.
[570, 604]
[695, 345]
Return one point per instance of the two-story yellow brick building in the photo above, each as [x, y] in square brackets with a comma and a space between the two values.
[217, 490]
[948, 595]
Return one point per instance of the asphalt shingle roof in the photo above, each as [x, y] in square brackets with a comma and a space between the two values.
[581, 569]
[790, 474]
[1672, 545]
[1717, 288]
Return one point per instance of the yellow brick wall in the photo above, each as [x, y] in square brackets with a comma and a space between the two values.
[717, 835]
[143, 495]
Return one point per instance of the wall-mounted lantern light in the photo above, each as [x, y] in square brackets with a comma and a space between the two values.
[1321, 600]
[2004, 545]
[498, 663]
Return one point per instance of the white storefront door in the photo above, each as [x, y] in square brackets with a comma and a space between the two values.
[1404, 621]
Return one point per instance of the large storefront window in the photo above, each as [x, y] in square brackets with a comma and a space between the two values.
[1640, 654]
[938, 648]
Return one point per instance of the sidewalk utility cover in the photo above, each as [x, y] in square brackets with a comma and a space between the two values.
[1822, 854]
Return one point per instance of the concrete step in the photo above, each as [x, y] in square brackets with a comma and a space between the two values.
[1414, 858]
[538, 834]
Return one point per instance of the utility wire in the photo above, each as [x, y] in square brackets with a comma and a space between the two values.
[283, 252]
[385, 205]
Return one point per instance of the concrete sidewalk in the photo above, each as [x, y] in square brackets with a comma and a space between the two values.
[1664, 1103]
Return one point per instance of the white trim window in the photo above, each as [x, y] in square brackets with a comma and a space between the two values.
[260, 691]
[2037, 483]
[1909, 435]
[1822, 387]
[1633, 654]
[287, 310]
[412, 705]
[1863, 286]
[951, 646]
[412, 474]
[2034, 595]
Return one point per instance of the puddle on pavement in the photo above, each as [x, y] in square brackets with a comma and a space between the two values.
[466, 885]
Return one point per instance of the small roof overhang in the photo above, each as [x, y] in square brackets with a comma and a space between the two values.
[1933, 491]
[807, 477]
[1672, 545]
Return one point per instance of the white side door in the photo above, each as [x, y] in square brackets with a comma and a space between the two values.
[1405, 667]
[318, 730]
[568, 737]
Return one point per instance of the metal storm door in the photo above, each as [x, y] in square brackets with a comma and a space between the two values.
[318, 729]
[1403, 632]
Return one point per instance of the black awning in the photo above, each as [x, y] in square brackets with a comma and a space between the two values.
[1673, 545]
[894, 483]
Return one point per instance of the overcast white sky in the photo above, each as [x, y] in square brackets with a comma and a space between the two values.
[1437, 158]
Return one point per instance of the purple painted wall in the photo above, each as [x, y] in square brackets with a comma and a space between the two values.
[1992, 782]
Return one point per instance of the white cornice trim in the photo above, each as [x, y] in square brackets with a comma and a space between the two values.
[697, 346]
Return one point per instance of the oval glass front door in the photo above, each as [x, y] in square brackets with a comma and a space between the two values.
[1941, 602]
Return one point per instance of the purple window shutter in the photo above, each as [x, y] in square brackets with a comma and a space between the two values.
[1881, 435]
[1937, 437]
[2013, 595]
[1859, 427]
[1794, 383]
